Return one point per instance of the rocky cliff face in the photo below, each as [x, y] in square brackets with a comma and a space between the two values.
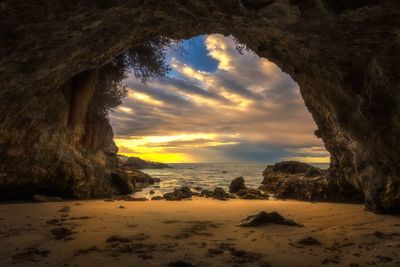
[343, 54]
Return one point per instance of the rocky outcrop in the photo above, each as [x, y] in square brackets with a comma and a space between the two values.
[297, 180]
[250, 193]
[138, 163]
[343, 54]
[220, 194]
[179, 194]
[236, 185]
[140, 177]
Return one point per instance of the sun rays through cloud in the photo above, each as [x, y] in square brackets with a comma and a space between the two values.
[217, 105]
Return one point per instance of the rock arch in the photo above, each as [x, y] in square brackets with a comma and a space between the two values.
[343, 54]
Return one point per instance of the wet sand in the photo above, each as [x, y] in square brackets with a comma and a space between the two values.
[202, 232]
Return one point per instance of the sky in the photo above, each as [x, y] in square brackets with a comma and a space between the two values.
[216, 105]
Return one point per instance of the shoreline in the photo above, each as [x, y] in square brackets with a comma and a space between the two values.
[194, 231]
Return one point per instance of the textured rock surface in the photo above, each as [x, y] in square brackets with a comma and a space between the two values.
[138, 163]
[263, 217]
[179, 194]
[236, 185]
[343, 54]
[298, 180]
[250, 193]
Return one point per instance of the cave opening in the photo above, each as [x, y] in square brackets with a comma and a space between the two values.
[346, 72]
[214, 107]
[87, 84]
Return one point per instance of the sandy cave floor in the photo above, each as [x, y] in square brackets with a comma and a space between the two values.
[203, 232]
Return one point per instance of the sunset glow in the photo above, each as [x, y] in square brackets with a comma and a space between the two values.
[217, 106]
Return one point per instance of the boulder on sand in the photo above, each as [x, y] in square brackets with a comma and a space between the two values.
[206, 193]
[219, 193]
[263, 217]
[179, 194]
[236, 185]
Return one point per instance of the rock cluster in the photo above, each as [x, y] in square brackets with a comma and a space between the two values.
[298, 180]
[238, 187]
[250, 193]
[219, 193]
[179, 194]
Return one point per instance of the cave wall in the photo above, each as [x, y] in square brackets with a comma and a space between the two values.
[343, 54]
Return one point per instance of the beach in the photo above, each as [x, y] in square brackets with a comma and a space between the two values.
[202, 232]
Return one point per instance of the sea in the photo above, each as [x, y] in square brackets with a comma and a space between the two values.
[205, 175]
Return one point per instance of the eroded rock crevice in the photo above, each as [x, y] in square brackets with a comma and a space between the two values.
[343, 54]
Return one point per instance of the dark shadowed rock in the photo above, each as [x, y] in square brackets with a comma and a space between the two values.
[313, 172]
[297, 180]
[138, 163]
[249, 193]
[236, 185]
[179, 194]
[124, 184]
[157, 198]
[263, 217]
[206, 193]
[139, 176]
[219, 193]
[290, 167]
[43, 198]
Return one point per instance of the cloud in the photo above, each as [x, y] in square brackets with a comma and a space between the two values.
[252, 110]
